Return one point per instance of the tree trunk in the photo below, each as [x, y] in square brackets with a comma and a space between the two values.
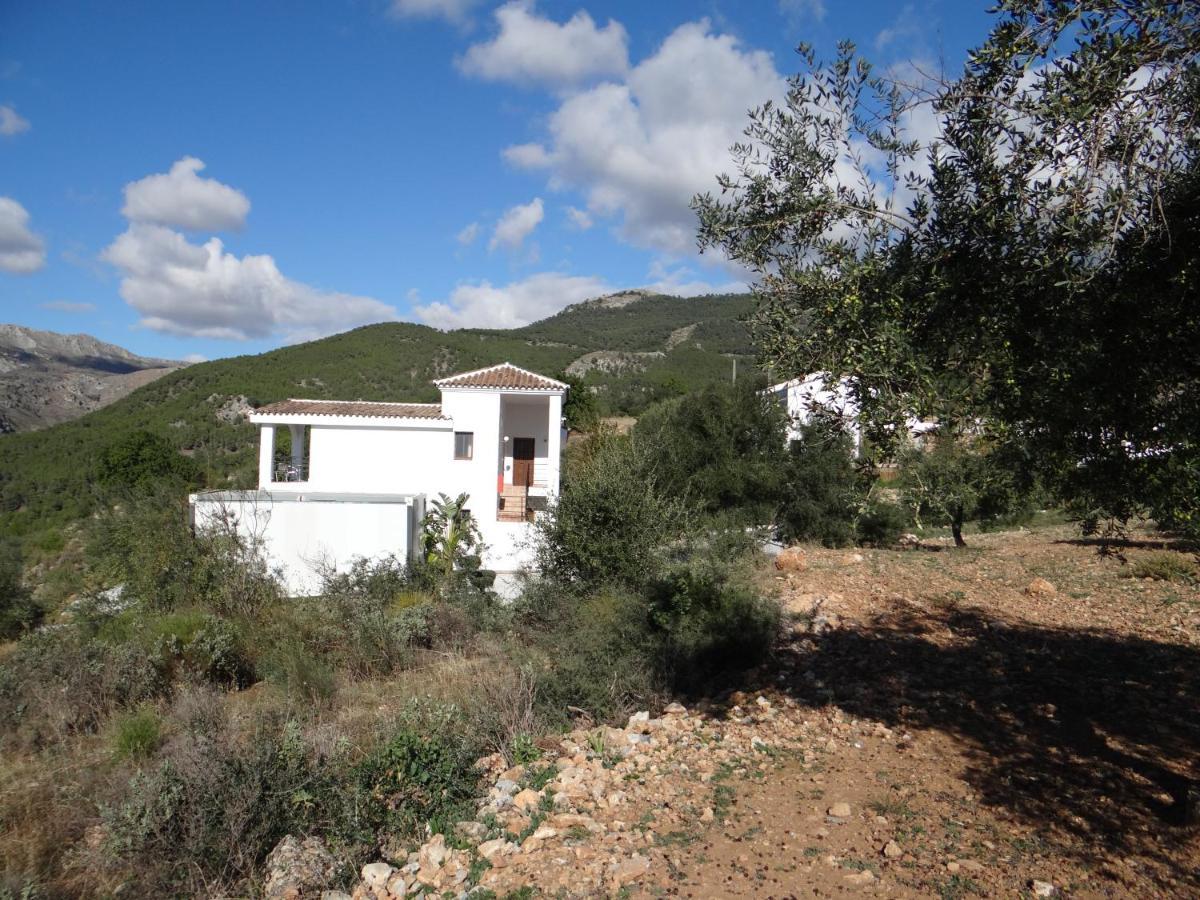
[956, 524]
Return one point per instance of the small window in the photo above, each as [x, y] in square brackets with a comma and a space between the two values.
[464, 444]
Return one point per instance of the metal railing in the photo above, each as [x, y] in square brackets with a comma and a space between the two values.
[286, 471]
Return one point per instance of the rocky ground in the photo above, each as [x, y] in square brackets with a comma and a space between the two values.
[1014, 719]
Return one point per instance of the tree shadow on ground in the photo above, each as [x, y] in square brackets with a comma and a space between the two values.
[1092, 737]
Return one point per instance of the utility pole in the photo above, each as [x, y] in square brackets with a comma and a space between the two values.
[735, 370]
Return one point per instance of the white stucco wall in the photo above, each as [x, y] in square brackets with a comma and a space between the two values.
[379, 460]
[300, 535]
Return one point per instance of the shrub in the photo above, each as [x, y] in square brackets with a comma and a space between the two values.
[146, 544]
[62, 682]
[18, 610]
[881, 523]
[724, 447]
[424, 774]
[301, 673]
[821, 490]
[609, 524]
[366, 619]
[717, 624]
[211, 809]
[137, 734]
[599, 652]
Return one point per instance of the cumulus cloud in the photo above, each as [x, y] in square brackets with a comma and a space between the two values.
[201, 290]
[531, 49]
[455, 11]
[21, 251]
[517, 224]
[68, 306]
[182, 199]
[579, 218]
[484, 305]
[467, 236]
[641, 149]
[11, 122]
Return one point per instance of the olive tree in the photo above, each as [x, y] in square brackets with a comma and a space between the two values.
[1014, 247]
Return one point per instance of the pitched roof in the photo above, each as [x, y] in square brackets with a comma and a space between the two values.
[505, 376]
[352, 408]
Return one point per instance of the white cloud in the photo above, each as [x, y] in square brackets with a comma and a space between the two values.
[182, 199]
[467, 236]
[517, 224]
[202, 291]
[800, 11]
[484, 305]
[640, 150]
[527, 156]
[681, 281]
[21, 251]
[11, 122]
[193, 358]
[578, 218]
[69, 306]
[531, 49]
[455, 11]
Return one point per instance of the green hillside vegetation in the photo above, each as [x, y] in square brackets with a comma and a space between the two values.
[47, 477]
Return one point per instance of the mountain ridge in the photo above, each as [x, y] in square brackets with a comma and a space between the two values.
[47, 377]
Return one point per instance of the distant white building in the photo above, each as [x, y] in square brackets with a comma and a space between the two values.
[806, 398]
[360, 473]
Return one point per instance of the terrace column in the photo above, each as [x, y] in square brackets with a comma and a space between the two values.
[266, 455]
[297, 432]
[553, 442]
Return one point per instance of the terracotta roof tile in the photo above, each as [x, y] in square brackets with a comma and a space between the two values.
[505, 376]
[352, 408]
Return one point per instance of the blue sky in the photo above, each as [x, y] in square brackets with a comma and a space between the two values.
[453, 162]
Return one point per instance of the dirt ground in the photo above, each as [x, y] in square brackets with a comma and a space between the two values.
[991, 735]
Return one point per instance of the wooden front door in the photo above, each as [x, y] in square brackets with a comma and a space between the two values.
[523, 461]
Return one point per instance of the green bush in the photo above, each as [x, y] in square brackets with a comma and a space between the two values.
[18, 610]
[610, 524]
[137, 734]
[423, 774]
[61, 682]
[881, 523]
[716, 623]
[595, 651]
[212, 808]
[821, 491]
[299, 671]
[722, 447]
[146, 544]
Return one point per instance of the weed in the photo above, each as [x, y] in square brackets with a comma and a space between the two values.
[1163, 565]
[138, 733]
[891, 807]
[522, 750]
[956, 887]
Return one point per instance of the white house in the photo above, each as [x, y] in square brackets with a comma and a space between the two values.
[805, 398]
[359, 473]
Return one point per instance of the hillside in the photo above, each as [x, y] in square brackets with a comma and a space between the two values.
[664, 345]
[47, 378]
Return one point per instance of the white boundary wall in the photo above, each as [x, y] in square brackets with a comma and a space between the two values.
[302, 534]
